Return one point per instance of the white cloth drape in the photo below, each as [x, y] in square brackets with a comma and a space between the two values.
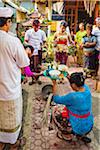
[89, 6]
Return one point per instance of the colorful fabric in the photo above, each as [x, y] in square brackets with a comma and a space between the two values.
[10, 120]
[28, 72]
[34, 63]
[79, 55]
[61, 57]
[79, 36]
[62, 41]
[22, 39]
[78, 39]
[40, 56]
[79, 103]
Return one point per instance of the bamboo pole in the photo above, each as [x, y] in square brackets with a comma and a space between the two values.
[45, 114]
[49, 15]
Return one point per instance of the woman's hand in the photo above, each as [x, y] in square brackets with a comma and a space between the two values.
[54, 86]
[54, 82]
[81, 46]
[36, 75]
[25, 80]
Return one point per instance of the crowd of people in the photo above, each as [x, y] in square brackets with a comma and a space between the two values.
[15, 61]
[85, 46]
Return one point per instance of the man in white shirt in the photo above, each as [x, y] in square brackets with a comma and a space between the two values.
[36, 37]
[12, 59]
[96, 32]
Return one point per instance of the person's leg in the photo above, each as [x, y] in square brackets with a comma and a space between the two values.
[36, 62]
[32, 63]
[57, 57]
[97, 61]
[92, 65]
[32, 69]
[64, 58]
[86, 64]
[84, 137]
[79, 55]
[40, 56]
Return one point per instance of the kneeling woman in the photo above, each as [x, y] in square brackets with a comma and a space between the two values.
[79, 105]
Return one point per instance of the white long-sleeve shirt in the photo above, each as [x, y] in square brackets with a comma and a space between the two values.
[96, 32]
[12, 58]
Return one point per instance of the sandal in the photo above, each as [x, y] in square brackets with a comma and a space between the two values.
[2, 146]
[20, 142]
[66, 137]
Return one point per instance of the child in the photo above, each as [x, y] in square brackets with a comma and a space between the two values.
[27, 71]
[78, 104]
[90, 59]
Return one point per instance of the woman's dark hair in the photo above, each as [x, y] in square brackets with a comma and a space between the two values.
[3, 20]
[64, 23]
[36, 22]
[30, 47]
[77, 78]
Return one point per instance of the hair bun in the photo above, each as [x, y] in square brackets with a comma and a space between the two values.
[77, 78]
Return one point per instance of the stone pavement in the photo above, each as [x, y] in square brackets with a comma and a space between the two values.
[41, 138]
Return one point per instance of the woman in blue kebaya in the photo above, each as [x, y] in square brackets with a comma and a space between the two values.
[79, 105]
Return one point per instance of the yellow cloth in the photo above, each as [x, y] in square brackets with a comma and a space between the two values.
[79, 36]
[78, 39]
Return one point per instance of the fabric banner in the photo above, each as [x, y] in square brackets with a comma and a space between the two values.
[58, 11]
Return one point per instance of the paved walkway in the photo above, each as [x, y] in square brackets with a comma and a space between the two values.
[40, 138]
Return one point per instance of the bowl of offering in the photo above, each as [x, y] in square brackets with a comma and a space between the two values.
[62, 68]
[54, 74]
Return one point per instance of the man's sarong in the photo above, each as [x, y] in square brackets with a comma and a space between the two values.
[10, 120]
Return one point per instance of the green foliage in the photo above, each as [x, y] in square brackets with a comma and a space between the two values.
[31, 10]
[72, 50]
[50, 51]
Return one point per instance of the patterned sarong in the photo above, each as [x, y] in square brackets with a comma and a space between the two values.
[10, 120]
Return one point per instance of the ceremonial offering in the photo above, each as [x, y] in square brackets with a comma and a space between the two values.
[54, 74]
[51, 73]
[62, 68]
